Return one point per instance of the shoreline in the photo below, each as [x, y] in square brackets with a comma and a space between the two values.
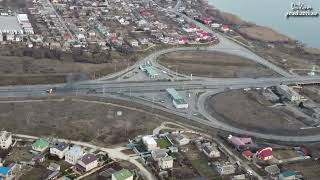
[255, 32]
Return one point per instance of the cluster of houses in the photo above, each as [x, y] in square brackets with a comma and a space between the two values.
[245, 144]
[118, 25]
[151, 149]
[161, 158]
[74, 155]
[265, 156]
[81, 161]
[14, 27]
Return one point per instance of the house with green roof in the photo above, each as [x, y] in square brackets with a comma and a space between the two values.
[287, 175]
[124, 174]
[40, 145]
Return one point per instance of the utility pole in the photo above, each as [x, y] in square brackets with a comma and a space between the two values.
[103, 91]
[191, 77]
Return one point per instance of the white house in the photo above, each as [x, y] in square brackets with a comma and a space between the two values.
[225, 168]
[5, 139]
[149, 142]
[134, 43]
[210, 151]
[87, 163]
[179, 139]
[166, 162]
[73, 155]
[59, 149]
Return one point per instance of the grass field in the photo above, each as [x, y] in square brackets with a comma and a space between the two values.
[201, 165]
[213, 64]
[78, 119]
[26, 70]
[163, 143]
[285, 153]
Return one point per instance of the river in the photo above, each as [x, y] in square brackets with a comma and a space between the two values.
[271, 13]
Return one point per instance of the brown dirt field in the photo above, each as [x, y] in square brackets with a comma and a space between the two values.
[308, 168]
[214, 65]
[312, 50]
[25, 70]
[312, 92]
[249, 110]
[78, 120]
[286, 60]
[263, 34]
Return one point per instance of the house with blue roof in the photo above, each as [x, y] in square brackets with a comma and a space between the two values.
[5, 173]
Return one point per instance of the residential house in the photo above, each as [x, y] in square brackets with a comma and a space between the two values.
[59, 150]
[272, 170]
[240, 142]
[239, 177]
[287, 175]
[166, 162]
[10, 37]
[39, 158]
[158, 154]
[54, 167]
[5, 139]
[265, 154]
[210, 151]
[143, 41]
[9, 172]
[73, 155]
[40, 145]
[225, 168]
[5, 173]
[134, 43]
[87, 163]
[225, 28]
[150, 143]
[247, 154]
[123, 174]
[179, 139]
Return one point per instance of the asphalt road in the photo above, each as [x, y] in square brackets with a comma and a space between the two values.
[109, 86]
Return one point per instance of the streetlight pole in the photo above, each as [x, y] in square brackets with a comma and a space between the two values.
[103, 90]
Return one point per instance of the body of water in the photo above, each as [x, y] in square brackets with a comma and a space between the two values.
[272, 13]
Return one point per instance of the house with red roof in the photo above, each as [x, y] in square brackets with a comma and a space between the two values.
[247, 154]
[225, 28]
[240, 142]
[183, 40]
[265, 154]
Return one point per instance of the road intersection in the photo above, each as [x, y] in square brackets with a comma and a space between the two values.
[125, 86]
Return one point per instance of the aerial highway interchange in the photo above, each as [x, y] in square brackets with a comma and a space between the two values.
[132, 89]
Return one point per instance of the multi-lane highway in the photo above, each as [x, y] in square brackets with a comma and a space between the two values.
[89, 87]
[115, 86]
